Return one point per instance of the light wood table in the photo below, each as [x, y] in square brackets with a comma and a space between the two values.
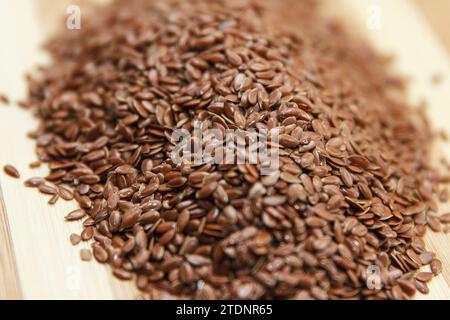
[36, 257]
[437, 13]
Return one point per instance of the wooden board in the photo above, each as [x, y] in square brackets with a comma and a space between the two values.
[437, 13]
[36, 257]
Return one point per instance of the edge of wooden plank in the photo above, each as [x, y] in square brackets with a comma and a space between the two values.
[10, 288]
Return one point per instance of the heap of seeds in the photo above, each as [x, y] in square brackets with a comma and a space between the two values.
[354, 190]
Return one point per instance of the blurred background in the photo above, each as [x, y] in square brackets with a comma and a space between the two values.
[437, 13]
[33, 20]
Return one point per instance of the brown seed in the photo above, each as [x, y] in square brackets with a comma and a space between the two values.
[434, 224]
[34, 182]
[186, 273]
[275, 97]
[87, 233]
[421, 287]
[122, 274]
[436, 266]
[315, 222]
[445, 218]
[407, 287]
[4, 99]
[346, 177]
[288, 141]
[274, 200]
[233, 58]
[149, 217]
[414, 209]
[85, 254]
[397, 293]
[207, 190]
[113, 201]
[128, 246]
[177, 182]
[167, 237]
[75, 215]
[100, 254]
[65, 193]
[183, 219]
[115, 221]
[53, 199]
[424, 276]
[56, 175]
[359, 161]
[11, 171]
[290, 178]
[89, 179]
[197, 260]
[35, 164]
[130, 218]
[46, 189]
[271, 179]
[444, 196]
[142, 281]
[75, 239]
[318, 293]
[426, 257]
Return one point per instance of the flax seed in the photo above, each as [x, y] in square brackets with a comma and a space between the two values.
[100, 254]
[85, 254]
[87, 233]
[11, 171]
[53, 199]
[34, 182]
[436, 266]
[75, 239]
[75, 215]
[46, 189]
[65, 193]
[4, 99]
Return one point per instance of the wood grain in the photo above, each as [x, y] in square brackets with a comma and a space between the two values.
[8, 266]
[36, 257]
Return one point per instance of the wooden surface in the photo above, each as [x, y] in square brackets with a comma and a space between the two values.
[437, 13]
[36, 257]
